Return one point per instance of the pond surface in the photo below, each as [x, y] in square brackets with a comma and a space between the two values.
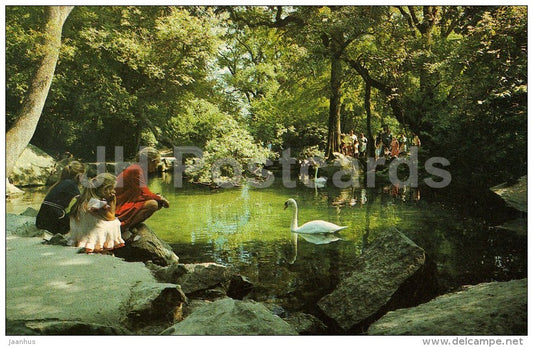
[248, 230]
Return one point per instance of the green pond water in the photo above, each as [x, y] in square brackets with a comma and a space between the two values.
[248, 230]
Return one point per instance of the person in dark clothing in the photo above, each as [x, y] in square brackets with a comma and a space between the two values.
[52, 214]
[387, 140]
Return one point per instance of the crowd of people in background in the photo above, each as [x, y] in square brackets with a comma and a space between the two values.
[353, 145]
[386, 144]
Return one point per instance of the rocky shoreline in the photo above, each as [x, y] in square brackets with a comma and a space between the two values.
[143, 289]
[55, 290]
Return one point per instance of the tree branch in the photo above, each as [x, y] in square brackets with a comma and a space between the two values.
[413, 16]
[407, 17]
[394, 100]
[277, 23]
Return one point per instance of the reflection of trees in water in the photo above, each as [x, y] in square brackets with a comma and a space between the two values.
[297, 274]
[370, 198]
[315, 272]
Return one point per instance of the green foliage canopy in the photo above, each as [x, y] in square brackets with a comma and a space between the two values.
[233, 79]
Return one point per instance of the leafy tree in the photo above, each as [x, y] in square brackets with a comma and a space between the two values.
[21, 132]
[328, 32]
[228, 157]
[484, 131]
[290, 77]
[128, 68]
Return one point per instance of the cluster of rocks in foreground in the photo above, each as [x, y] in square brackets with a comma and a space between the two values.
[54, 290]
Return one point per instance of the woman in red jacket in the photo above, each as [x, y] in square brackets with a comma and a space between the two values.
[135, 202]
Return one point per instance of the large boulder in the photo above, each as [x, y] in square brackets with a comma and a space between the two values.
[33, 168]
[229, 317]
[204, 280]
[54, 290]
[50, 284]
[393, 272]
[144, 246]
[306, 324]
[22, 225]
[496, 308]
[514, 194]
[159, 304]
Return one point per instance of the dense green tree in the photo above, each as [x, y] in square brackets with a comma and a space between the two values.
[484, 128]
[281, 90]
[20, 133]
[288, 76]
[126, 73]
[327, 32]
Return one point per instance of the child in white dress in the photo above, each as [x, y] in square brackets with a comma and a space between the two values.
[93, 224]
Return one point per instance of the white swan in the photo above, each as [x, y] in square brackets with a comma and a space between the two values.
[312, 227]
[320, 182]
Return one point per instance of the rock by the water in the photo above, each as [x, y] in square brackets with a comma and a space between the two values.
[155, 303]
[203, 276]
[392, 273]
[168, 274]
[22, 225]
[33, 168]
[145, 246]
[30, 212]
[515, 195]
[496, 308]
[204, 280]
[12, 190]
[306, 324]
[229, 317]
[46, 283]
[59, 327]
[239, 287]
[276, 309]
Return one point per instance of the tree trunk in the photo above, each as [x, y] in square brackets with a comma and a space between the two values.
[394, 100]
[334, 123]
[370, 147]
[422, 111]
[20, 134]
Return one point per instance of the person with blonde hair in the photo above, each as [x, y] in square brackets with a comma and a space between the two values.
[135, 202]
[93, 224]
[52, 215]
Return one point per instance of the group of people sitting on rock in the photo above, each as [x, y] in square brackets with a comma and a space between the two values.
[103, 216]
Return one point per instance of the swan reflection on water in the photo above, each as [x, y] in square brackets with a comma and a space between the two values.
[317, 239]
